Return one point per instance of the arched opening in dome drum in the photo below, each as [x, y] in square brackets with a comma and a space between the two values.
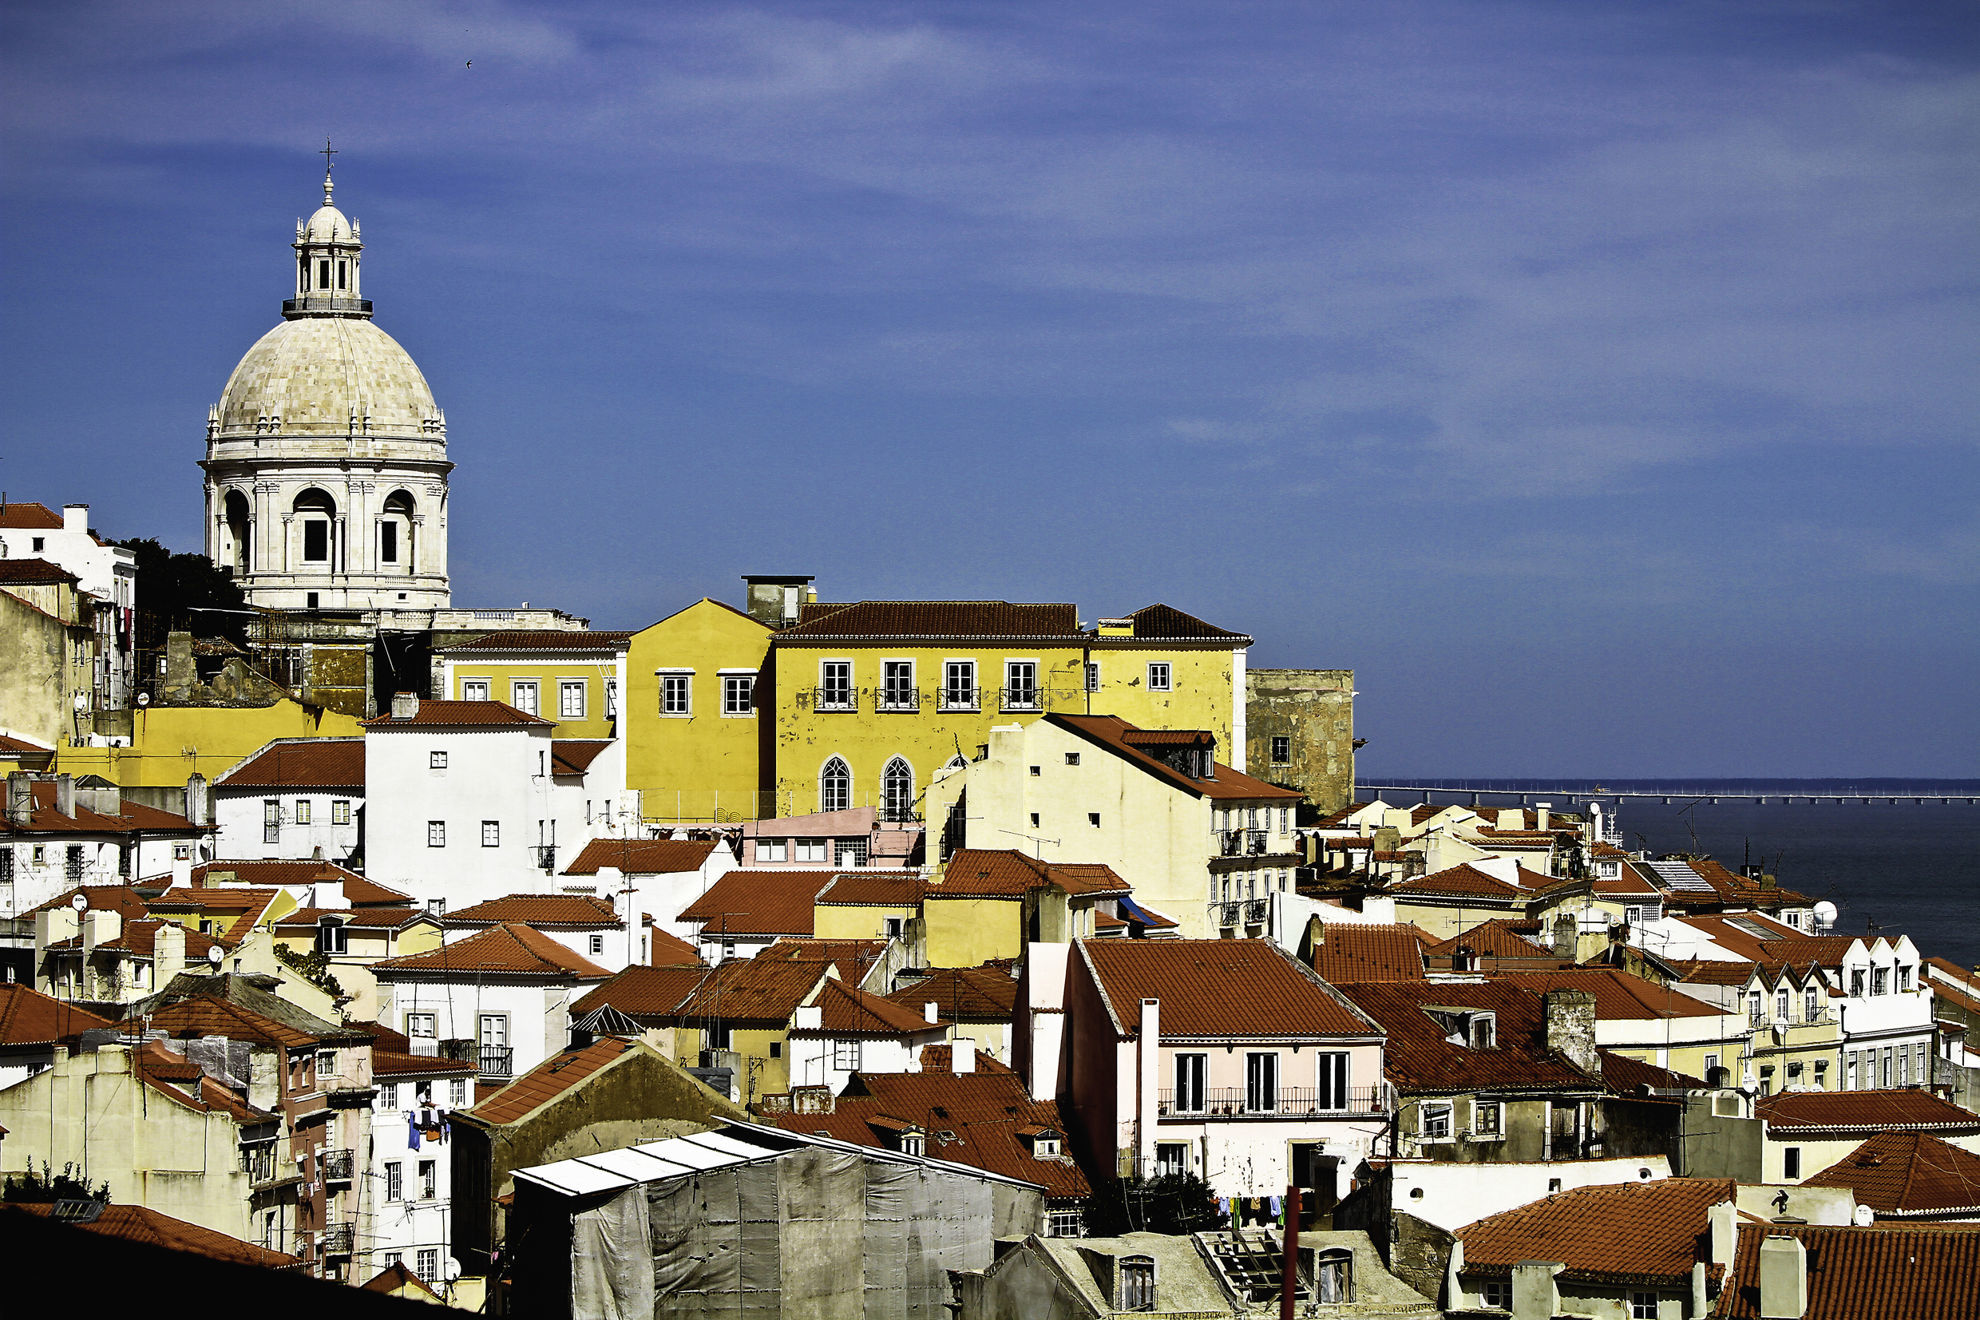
[395, 532]
[314, 513]
[239, 522]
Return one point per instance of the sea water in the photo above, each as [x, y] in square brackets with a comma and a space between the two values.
[1889, 869]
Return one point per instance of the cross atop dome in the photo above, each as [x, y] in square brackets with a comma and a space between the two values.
[328, 165]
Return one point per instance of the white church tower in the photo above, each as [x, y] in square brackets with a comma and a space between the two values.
[326, 457]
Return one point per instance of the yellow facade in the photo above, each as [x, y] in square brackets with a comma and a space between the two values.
[169, 744]
[578, 693]
[364, 945]
[697, 763]
[858, 921]
[968, 932]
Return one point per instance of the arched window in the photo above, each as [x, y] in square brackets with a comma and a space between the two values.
[897, 791]
[314, 511]
[239, 519]
[395, 531]
[835, 784]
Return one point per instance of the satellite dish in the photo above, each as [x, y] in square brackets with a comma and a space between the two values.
[1864, 1216]
[453, 1268]
[82, 702]
[213, 955]
[1825, 914]
[80, 902]
[144, 699]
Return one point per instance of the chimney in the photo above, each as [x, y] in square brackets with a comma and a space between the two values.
[196, 802]
[1571, 1028]
[1698, 1299]
[168, 954]
[20, 799]
[75, 518]
[809, 1017]
[962, 1055]
[52, 925]
[1148, 1067]
[772, 599]
[1535, 1292]
[1783, 1278]
[405, 705]
[929, 1013]
[100, 926]
[1540, 814]
[1723, 1222]
[65, 794]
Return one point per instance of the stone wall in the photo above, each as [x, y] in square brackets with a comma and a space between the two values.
[1313, 710]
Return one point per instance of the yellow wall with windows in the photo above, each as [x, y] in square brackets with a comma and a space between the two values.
[170, 743]
[968, 932]
[549, 674]
[701, 765]
[848, 921]
[364, 945]
[1201, 693]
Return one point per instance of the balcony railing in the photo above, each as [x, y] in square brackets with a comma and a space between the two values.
[1285, 1102]
[1020, 698]
[339, 1239]
[1229, 913]
[1254, 843]
[841, 699]
[336, 1165]
[898, 699]
[546, 856]
[960, 699]
[1257, 910]
[1229, 843]
[495, 1060]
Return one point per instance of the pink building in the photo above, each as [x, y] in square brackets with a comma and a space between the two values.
[1228, 1059]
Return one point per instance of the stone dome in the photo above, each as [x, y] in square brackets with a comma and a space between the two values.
[311, 373]
[328, 225]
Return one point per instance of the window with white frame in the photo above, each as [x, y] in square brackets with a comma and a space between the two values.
[835, 685]
[395, 1181]
[959, 685]
[491, 834]
[436, 760]
[1880, 980]
[897, 690]
[474, 689]
[1496, 1294]
[1643, 1306]
[522, 695]
[1158, 676]
[1092, 675]
[420, 1025]
[388, 1096]
[429, 1180]
[1020, 685]
[769, 850]
[835, 786]
[570, 699]
[1261, 1083]
[436, 833]
[1171, 1159]
[331, 937]
[597, 945]
[739, 694]
[1488, 1118]
[677, 694]
[897, 791]
[1436, 1121]
[271, 820]
[849, 852]
[845, 1055]
[1192, 1071]
[302, 811]
[1333, 1079]
[1137, 1290]
[457, 1092]
[429, 1264]
[340, 812]
[808, 850]
[1064, 1223]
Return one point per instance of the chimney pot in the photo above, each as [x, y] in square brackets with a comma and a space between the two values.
[75, 517]
[1783, 1278]
[962, 1056]
[65, 794]
[405, 705]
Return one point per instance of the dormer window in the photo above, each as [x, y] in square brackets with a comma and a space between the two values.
[1471, 1029]
[1483, 1031]
[1333, 1276]
[1044, 1143]
[331, 937]
[1136, 1290]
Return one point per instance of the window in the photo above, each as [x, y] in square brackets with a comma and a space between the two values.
[611, 698]
[1711, 1062]
[429, 1264]
[474, 689]
[1780, 1005]
[597, 945]
[1888, 1055]
[849, 852]
[1092, 676]
[1482, 1031]
[388, 1096]
[181, 852]
[436, 760]
[835, 691]
[570, 699]
[315, 541]
[1093, 819]
[302, 811]
[1880, 981]
[437, 906]
[959, 685]
[1856, 983]
[897, 791]
[1261, 1083]
[1753, 1013]
[420, 1024]
[457, 1092]
[677, 694]
[1191, 1071]
[522, 695]
[1058, 1223]
[1020, 685]
[808, 850]
[1158, 676]
[1037, 770]
[1903, 979]
[1436, 1122]
[1333, 1080]
[834, 787]
[395, 1181]
[897, 691]
[331, 937]
[1333, 1277]
[739, 694]
[436, 833]
[491, 834]
[1171, 1158]
[429, 1179]
[1487, 1118]
[1281, 750]
[271, 820]
[1643, 1306]
[1496, 1294]
[769, 850]
[845, 1055]
[1072, 758]
[1137, 1284]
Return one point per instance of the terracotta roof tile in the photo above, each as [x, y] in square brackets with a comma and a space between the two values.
[395, 1278]
[136, 1223]
[550, 1079]
[873, 889]
[211, 1015]
[132, 817]
[434, 712]
[508, 949]
[243, 907]
[1611, 1232]
[1619, 997]
[941, 1059]
[124, 900]
[1220, 988]
[26, 514]
[1626, 1076]
[853, 958]
[1369, 953]
[980, 872]
[31, 571]
[1907, 1173]
[1497, 938]
[542, 911]
[1808, 1112]
[879, 620]
[642, 856]
[375, 918]
[755, 903]
[573, 756]
[1867, 1273]
[538, 639]
[847, 1011]
[1111, 732]
[301, 763]
[745, 990]
[643, 992]
[1420, 1058]
[396, 1063]
[28, 1017]
[139, 938]
[1460, 881]
[670, 950]
[965, 994]
[1165, 621]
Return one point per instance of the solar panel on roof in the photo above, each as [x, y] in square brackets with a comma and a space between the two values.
[1680, 876]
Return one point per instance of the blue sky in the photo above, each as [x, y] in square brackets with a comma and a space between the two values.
[1597, 380]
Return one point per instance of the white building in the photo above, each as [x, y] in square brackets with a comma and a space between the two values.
[844, 1030]
[106, 573]
[326, 456]
[658, 878]
[56, 834]
[412, 1184]
[295, 798]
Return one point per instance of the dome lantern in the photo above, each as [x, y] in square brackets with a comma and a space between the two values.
[327, 259]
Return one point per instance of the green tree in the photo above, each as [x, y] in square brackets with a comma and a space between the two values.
[1171, 1203]
[33, 1188]
[183, 593]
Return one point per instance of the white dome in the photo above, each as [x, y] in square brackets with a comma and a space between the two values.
[311, 372]
[328, 225]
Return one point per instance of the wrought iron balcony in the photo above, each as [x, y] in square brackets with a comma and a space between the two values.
[1254, 842]
[1230, 843]
[835, 699]
[1257, 910]
[495, 1061]
[1228, 913]
[960, 698]
[1020, 698]
[899, 699]
[335, 1165]
[339, 1239]
[1282, 1102]
[546, 856]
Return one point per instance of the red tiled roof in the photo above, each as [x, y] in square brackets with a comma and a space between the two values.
[981, 872]
[846, 1011]
[747, 990]
[27, 514]
[982, 1113]
[1708, 972]
[1462, 881]
[670, 950]
[396, 1277]
[1619, 997]
[210, 1015]
[642, 992]
[1608, 1233]
[132, 817]
[1808, 1112]
[930, 619]
[505, 950]
[1218, 988]
[573, 756]
[434, 712]
[34, 571]
[11, 744]
[873, 889]
[1111, 732]
[642, 856]
[853, 958]
[301, 763]
[1421, 1058]
[1497, 938]
[1881, 1273]
[1626, 1076]
[751, 903]
[247, 905]
[373, 918]
[538, 639]
[964, 994]
[1165, 621]
[1907, 1173]
[139, 938]
[28, 1017]
[396, 1063]
[256, 873]
[136, 1223]
[550, 1079]
[124, 900]
[1369, 953]
[941, 1059]
[542, 911]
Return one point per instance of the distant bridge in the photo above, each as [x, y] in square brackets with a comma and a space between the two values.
[1571, 796]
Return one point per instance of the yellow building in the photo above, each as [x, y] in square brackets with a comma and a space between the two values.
[691, 724]
[869, 701]
[351, 939]
[573, 678]
[170, 744]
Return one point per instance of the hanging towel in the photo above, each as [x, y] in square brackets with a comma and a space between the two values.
[412, 1130]
[1275, 1207]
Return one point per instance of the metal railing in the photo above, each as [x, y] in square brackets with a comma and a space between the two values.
[546, 856]
[335, 1165]
[339, 1239]
[1020, 698]
[898, 699]
[1284, 1102]
[495, 1060]
[836, 699]
[1228, 913]
[1257, 910]
[959, 698]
